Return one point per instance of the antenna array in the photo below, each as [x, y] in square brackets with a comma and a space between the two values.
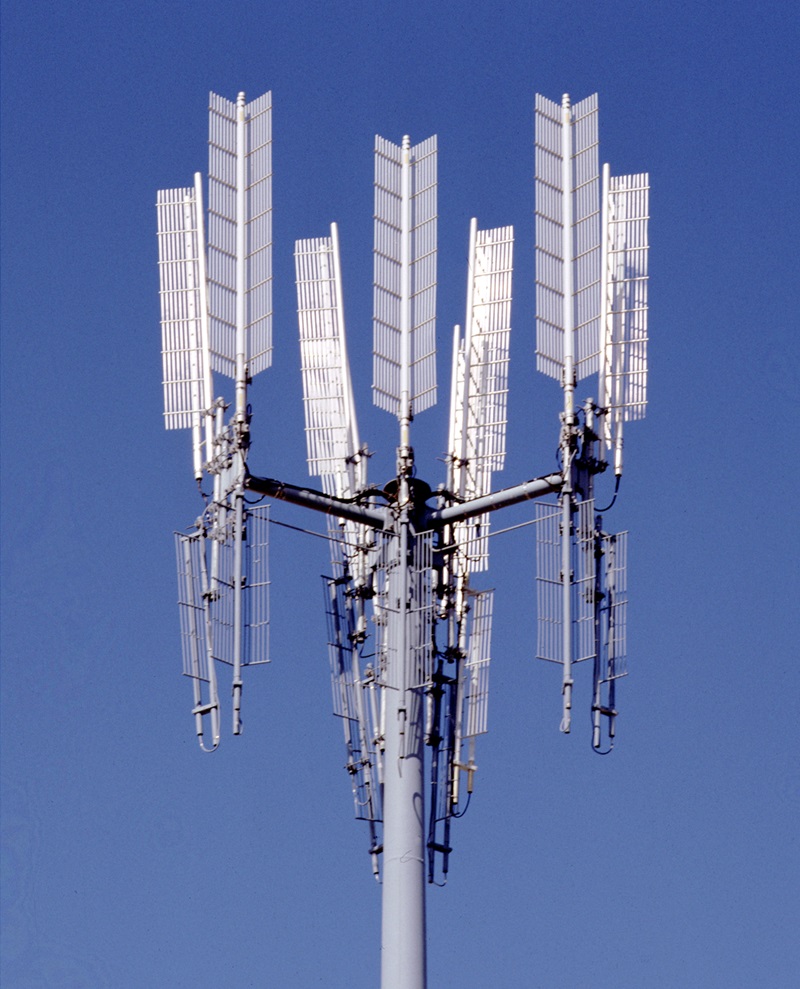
[409, 635]
[216, 316]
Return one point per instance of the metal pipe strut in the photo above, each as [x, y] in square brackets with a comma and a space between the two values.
[318, 501]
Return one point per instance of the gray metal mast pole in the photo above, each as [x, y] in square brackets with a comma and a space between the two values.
[403, 963]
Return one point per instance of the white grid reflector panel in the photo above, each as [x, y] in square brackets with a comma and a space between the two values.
[625, 351]
[615, 559]
[196, 593]
[182, 300]
[476, 669]
[585, 239]
[422, 259]
[479, 430]
[222, 233]
[330, 438]
[549, 588]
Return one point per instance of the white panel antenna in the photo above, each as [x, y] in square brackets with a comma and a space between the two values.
[567, 235]
[549, 583]
[623, 371]
[206, 587]
[240, 231]
[476, 669]
[405, 275]
[184, 316]
[611, 661]
[331, 429]
[334, 449]
[480, 383]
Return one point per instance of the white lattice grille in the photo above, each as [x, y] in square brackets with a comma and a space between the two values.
[389, 254]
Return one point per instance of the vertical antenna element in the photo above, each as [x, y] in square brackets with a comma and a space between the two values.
[240, 172]
[567, 236]
[623, 369]
[184, 315]
[207, 588]
[480, 383]
[331, 427]
[405, 275]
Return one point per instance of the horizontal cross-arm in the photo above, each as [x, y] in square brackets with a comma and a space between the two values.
[317, 500]
[537, 488]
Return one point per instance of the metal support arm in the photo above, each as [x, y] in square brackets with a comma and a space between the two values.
[318, 501]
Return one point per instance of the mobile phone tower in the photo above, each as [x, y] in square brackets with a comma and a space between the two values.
[409, 629]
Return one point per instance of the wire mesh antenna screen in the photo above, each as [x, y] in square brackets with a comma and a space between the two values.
[182, 301]
[615, 605]
[193, 597]
[478, 429]
[205, 584]
[388, 295]
[222, 226]
[624, 367]
[584, 193]
[549, 588]
[476, 670]
[326, 389]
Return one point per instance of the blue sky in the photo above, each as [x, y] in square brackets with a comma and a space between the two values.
[130, 858]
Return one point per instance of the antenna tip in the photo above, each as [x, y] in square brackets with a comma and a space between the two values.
[240, 99]
[406, 142]
[565, 100]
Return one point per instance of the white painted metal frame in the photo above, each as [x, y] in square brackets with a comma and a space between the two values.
[184, 317]
[567, 236]
[623, 371]
[331, 426]
[405, 276]
[240, 232]
[550, 609]
[479, 393]
[476, 668]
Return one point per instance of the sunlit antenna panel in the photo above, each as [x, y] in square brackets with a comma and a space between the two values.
[549, 584]
[206, 580]
[331, 430]
[480, 382]
[567, 262]
[183, 301]
[240, 230]
[624, 361]
[476, 668]
[405, 272]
